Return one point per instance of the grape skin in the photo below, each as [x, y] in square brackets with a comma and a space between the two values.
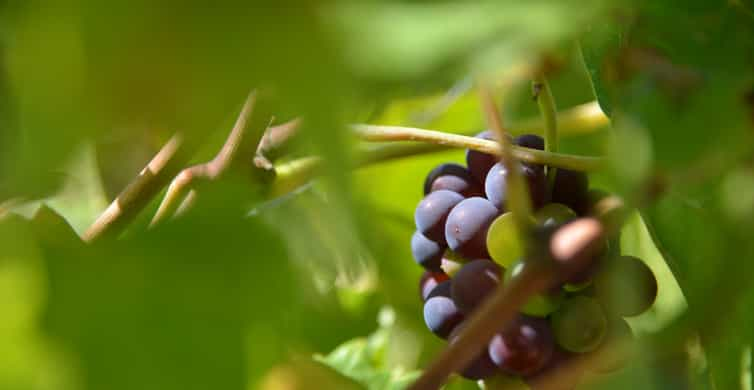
[495, 186]
[452, 177]
[474, 283]
[538, 305]
[432, 212]
[440, 313]
[466, 227]
[429, 280]
[503, 241]
[571, 189]
[426, 252]
[626, 287]
[524, 347]
[531, 141]
[480, 163]
[554, 214]
[579, 325]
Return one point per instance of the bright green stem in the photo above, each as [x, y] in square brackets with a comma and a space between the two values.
[549, 111]
[293, 174]
[374, 133]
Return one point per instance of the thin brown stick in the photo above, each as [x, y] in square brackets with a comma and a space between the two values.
[211, 170]
[164, 165]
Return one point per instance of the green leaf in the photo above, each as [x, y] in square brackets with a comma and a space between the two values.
[364, 359]
[406, 40]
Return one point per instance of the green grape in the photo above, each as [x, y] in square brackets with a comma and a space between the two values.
[579, 325]
[554, 214]
[503, 242]
[575, 287]
[538, 305]
[503, 382]
[626, 287]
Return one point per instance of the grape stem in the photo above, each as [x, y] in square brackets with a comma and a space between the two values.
[549, 112]
[375, 133]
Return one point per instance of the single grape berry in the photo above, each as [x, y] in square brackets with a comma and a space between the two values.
[503, 241]
[452, 177]
[427, 253]
[440, 313]
[479, 368]
[538, 305]
[474, 283]
[531, 141]
[579, 325]
[571, 188]
[495, 185]
[466, 227]
[480, 163]
[626, 286]
[554, 214]
[432, 212]
[429, 281]
[524, 347]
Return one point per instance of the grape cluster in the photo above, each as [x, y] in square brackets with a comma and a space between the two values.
[468, 245]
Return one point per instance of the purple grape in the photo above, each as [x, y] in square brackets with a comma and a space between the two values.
[429, 281]
[530, 141]
[481, 367]
[474, 283]
[432, 212]
[480, 163]
[496, 187]
[452, 177]
[524, 347]
[440, 313]
[466, 227]
[427, 253]
[571, 188]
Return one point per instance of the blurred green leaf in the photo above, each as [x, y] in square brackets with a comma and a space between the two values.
[363, 359]
[405, 40]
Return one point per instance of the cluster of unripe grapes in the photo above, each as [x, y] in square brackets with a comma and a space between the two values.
[468, 244]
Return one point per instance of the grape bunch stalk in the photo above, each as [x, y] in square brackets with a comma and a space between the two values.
[469, 245]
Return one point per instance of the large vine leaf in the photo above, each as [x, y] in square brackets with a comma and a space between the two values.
[686, 83]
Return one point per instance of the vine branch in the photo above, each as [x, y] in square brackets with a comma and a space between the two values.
[180, 187]
[173, 156]
[164, 165]
[534, 156]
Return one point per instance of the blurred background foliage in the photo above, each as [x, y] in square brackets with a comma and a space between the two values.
[242, 294]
